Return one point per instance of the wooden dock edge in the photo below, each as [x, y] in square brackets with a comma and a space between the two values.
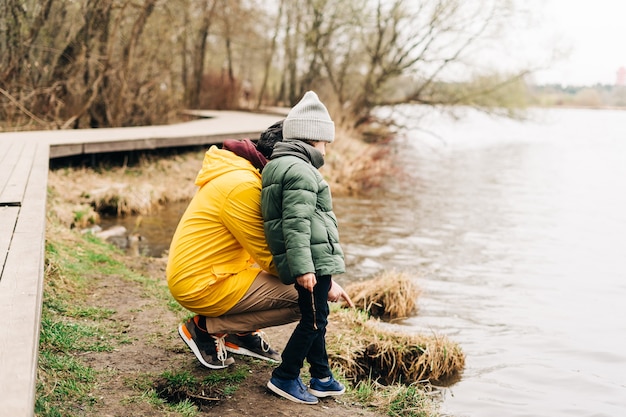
[23, 193]
[21, 293]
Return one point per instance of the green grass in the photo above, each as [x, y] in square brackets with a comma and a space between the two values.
[63, 385]
[182, 386]
[396, 400]
[72, 326]
[68, 327]
[185, 408]
[66, 337]
[148, 393]
[409, 401]
[232, 377]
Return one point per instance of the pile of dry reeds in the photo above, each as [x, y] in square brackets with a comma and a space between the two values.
[84, 193]
[389, 295]
[352, 165]
[364, 350]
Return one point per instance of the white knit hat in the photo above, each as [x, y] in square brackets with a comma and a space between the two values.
[309, 120]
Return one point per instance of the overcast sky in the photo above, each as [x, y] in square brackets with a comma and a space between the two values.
[594, 32]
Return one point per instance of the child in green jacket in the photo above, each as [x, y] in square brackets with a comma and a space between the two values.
[301, 231]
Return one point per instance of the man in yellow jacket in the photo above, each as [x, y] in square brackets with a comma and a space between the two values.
[220, 266]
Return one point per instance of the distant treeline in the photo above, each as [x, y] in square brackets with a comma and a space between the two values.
[109, 63]
[598, 95]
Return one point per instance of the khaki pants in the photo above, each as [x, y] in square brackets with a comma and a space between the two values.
[268, 302]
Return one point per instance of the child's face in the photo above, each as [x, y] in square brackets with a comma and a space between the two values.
[320, 146]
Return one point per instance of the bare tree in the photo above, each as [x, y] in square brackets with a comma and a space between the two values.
[424, 43]
[127, 62]
[82, 66]
[207, 13]
[270, 55]
[374, 53]
[19, 30]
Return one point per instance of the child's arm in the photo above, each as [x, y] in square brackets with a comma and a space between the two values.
[299, 198]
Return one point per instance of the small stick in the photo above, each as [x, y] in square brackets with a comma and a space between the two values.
[314, 311]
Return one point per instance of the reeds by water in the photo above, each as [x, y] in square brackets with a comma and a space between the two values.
[365, 348]
[389, 295]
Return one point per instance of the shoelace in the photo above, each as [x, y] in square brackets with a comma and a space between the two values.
[220, 347]
[265, 346]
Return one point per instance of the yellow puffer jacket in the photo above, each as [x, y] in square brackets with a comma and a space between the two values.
[219, 246]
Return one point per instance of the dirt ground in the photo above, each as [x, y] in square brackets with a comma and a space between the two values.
[155, 347]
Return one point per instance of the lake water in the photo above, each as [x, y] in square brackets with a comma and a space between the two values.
[516, 234]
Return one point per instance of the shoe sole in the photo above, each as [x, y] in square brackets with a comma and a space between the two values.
[323, 394]
[243, 351]
[184, 334]
[286, 395]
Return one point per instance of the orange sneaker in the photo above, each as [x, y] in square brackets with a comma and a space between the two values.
[251, 344]
[208, 348]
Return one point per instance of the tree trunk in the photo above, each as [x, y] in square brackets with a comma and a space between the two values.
[270, 55]
[199, 53]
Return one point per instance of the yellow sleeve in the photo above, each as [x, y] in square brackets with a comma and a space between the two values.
[242, 216]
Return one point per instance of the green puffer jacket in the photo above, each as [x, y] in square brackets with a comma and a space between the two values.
[300, 226]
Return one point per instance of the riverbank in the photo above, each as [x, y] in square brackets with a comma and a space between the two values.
[109, 346]
[121, 188]
[109, 343]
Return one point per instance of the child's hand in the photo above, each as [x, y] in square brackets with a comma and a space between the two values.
[307, 281]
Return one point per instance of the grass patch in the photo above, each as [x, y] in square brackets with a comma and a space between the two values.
[409, 402]
[397, 400]
[176, 387]
[71, 326]
[64, 385]
[67, 337]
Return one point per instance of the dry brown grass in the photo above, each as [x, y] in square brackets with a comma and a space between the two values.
[389, 295]
[86, 193]
[82, 194]
[353, 166]
[365, 350]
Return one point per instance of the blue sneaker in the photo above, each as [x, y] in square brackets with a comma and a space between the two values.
[292, 389]
[326, 389]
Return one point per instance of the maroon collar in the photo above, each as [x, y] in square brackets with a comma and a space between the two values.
[247, 150]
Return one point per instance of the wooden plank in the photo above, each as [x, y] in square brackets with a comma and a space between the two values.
[5, 150]
[9, 155]
[59, 151]
[158, 143]
[21, 292]
[63, 150]
[119, 145]
[15, 177]
[21, 289]
[8, 219]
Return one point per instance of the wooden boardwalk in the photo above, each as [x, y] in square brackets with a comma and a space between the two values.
[24, 162]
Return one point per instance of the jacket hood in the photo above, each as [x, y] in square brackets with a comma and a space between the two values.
[219, 162]
[299, 149]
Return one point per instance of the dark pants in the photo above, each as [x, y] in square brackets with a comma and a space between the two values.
[308, 339]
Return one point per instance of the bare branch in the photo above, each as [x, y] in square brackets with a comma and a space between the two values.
[22, 108]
